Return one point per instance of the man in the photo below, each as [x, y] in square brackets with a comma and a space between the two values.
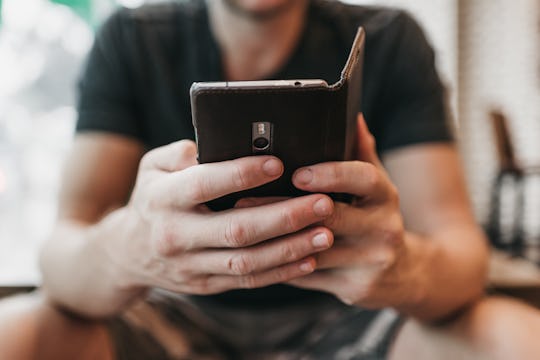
[309, 267]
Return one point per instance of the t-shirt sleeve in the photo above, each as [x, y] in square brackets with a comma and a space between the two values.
[414, 106]
[107, 101]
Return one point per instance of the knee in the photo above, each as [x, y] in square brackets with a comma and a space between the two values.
[493, 328]
[30, 328]
[503, 328]
[18, 326]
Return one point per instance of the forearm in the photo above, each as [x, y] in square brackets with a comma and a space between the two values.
[445, 271]
[81, 273]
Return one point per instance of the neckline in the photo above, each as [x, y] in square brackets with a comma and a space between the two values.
[214, 54]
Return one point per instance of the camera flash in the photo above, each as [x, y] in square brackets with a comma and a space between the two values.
[261, 138]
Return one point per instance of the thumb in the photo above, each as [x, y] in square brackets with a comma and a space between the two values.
[367, 150]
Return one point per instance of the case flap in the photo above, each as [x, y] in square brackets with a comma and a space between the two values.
[347, 96]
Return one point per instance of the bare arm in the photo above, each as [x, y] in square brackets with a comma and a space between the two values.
[109, 246]
[97, 180]
[451, 252]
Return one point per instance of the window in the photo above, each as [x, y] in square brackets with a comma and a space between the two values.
[488, 52]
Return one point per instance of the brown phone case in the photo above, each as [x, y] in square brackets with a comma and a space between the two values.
[310, 124]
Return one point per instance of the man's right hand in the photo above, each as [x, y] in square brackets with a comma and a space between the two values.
[173, 241]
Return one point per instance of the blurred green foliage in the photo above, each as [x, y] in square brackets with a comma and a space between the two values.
[86, 9]
[83, 8]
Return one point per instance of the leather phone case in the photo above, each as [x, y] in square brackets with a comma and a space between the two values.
[310, 124]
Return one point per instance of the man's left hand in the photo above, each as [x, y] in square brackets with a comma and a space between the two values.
[368, 264]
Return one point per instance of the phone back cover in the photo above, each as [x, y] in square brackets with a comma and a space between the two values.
[310, 124]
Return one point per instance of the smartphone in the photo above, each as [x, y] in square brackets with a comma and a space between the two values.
[302, 122]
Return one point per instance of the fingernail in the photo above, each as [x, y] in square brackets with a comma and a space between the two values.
[322, 207]
[320, 241]
[307, 266]
[304, 176]
[272, 167]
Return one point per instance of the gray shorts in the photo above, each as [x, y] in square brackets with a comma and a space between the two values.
[168, 327]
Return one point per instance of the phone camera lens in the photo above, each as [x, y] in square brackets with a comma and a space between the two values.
[260, 143]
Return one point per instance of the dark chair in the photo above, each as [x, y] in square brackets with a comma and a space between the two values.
[510, 235]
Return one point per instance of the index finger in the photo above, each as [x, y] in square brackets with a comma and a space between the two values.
[237, 228]
[201, 183]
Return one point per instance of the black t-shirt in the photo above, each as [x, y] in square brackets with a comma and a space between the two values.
[137, 78]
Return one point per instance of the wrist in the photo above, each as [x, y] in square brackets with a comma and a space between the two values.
[415, 268]
[438, 280]
[121, 233]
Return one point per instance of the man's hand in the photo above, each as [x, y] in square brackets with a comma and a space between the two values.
[368, 263]
[175, 242]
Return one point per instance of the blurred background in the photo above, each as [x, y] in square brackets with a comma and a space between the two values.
[488, 54]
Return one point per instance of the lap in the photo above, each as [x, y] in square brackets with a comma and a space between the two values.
[492, 328]
[184, 328]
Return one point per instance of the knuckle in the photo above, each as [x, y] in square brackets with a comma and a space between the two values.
[185, 147]
[248, 282]
[337, 174]
[165, 240]
[182, 272]
[290, 219]
[147, 160]
[239, 178]
[196, 191]
[240, 264]
[202, 286]
[335, 220]
[236, 234]
[282, 274]
[288, 253]
[152, 203]
[370, 175]
[182, 161]
[154, 266]
[165, 244]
